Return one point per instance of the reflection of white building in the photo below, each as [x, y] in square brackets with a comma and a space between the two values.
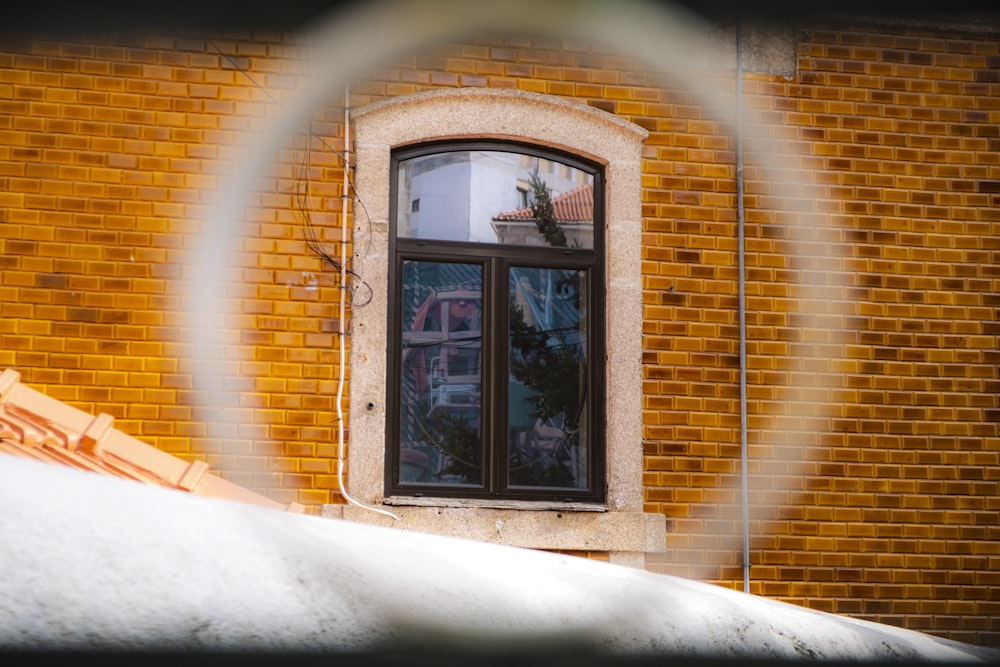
[574, 212]
[454, 196]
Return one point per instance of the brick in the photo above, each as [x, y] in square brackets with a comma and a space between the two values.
[899, 144]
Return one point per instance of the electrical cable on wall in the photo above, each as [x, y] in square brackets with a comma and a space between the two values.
[313, 243]
[309, 231]
[342, 331]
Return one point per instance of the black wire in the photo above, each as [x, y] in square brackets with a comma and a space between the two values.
[309, 230]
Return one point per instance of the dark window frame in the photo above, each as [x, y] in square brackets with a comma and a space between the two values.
[496, 260]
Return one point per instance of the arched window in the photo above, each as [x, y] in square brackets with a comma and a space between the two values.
[422, 159]
[496, 320]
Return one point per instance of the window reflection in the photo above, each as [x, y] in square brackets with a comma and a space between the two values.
[440, 401]
[494, 197]
[547, 398]
[494, 303]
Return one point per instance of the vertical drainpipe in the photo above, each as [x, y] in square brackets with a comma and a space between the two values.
[744, 483]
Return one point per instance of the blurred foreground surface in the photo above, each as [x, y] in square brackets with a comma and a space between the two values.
[116, 569]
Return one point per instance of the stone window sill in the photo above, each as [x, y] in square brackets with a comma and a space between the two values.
[625, 536]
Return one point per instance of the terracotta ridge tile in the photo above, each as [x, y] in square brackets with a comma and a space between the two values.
[36, 426]
[96, 431]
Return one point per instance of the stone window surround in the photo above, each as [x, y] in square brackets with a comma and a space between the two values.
[619, 526]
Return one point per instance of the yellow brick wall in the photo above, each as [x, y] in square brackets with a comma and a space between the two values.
[872, 385]
[111, 153]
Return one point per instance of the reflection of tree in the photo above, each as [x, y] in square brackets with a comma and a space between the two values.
[550, 362]
[544, 213]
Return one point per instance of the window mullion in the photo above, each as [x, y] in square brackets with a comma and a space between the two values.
[495, 372]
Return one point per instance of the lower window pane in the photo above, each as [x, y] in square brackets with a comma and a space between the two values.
[440, 401]
[547, 388]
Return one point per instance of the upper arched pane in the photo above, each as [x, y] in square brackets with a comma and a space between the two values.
[495, 196]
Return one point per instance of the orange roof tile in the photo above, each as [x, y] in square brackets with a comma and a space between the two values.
[36, 426]
[576, 205]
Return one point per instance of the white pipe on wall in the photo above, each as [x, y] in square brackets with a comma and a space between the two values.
[342, 318]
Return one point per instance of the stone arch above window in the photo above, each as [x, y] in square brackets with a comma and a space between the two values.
[618, 526]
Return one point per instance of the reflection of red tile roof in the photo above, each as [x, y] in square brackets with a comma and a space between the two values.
[576, 205]
[35, 426]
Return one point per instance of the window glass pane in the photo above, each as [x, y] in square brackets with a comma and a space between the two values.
[495, 197]
[440, 400]
[548, 434]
